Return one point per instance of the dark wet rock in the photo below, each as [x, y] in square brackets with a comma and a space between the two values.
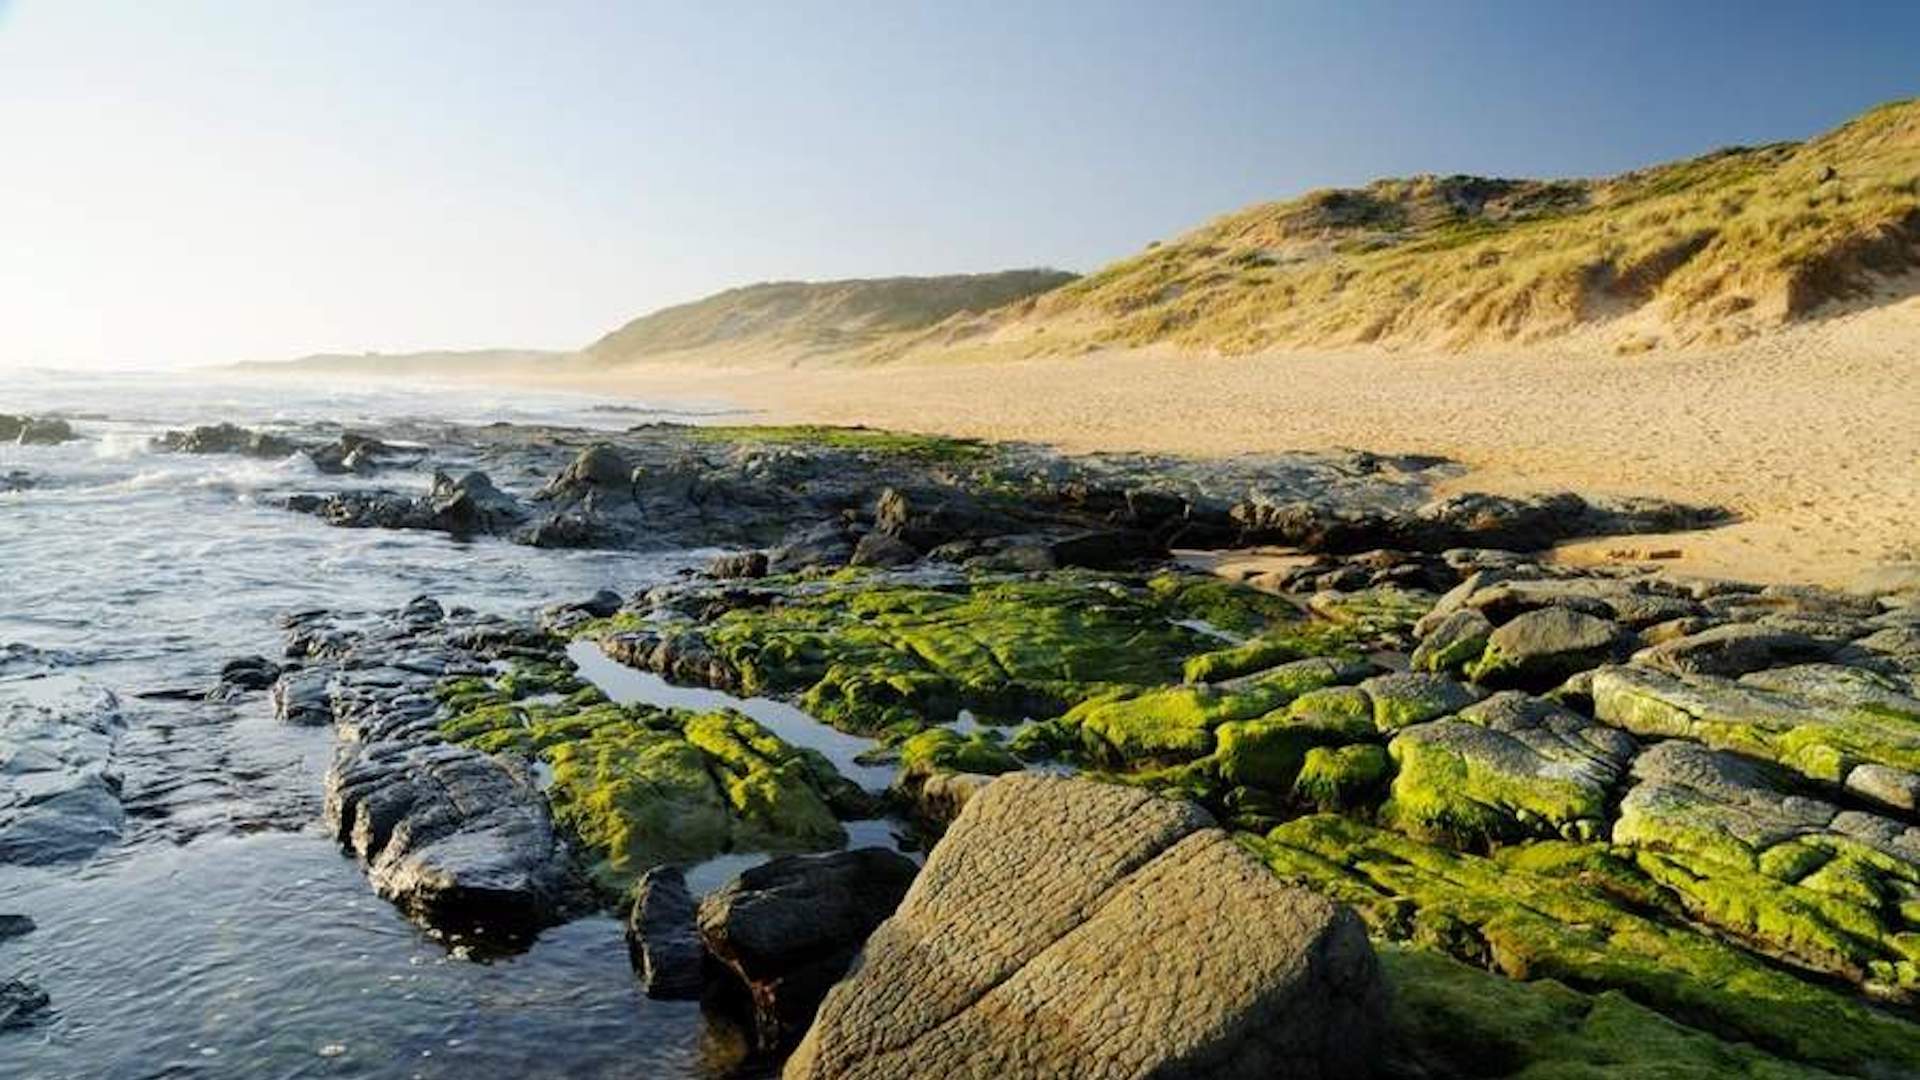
[360, 454]
[883, 550]
[827, 545]
[1023, 553]
[1541, 648]
[1733, 649]
[1106, 549]
[13, 926]
[20, 1002]
[470, 506]
[304, 697]
[565, 616]
[738, 564]
[455, 838]
[591, 503]
[35, 431]
[226, 439]
[789, 928]
[16, 480]
[1067, 928]
[663, 938]
[246, 674]
[59, 790]
[1514, 523]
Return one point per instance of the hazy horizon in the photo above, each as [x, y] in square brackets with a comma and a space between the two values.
[203, 182]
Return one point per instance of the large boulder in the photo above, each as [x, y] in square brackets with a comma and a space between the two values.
[790, 928]
[1069, 928]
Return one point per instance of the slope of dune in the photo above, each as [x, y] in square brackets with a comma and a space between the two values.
[1703, 251]
[791, 322]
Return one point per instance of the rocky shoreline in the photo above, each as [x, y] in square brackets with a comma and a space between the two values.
[1420, 806]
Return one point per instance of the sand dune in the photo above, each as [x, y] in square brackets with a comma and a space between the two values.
[1811, 434]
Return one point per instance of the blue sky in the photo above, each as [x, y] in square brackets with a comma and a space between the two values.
[197, 181]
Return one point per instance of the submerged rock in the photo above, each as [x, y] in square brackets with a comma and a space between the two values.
[1066, 928]
[12, 926]
[61, 797]
[789, 928]
[304, 697]
[20, 1002]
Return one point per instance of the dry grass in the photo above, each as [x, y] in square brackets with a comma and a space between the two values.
[1716, 248]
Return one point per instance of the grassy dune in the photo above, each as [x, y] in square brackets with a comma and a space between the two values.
[1707, 250]
[797, 321]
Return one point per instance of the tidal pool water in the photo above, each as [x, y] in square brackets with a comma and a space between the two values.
[218, 933]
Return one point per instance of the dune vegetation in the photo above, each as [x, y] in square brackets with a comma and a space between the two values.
[1712, 249]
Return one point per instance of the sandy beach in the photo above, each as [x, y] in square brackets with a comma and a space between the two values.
[1810, 434]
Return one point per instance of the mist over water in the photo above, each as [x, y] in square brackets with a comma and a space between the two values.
[221, 934]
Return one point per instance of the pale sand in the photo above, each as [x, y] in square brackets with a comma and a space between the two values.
[1812, 434]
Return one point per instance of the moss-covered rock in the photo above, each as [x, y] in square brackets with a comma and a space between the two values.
[1171, 724]
[638, 786]
[1382, 609]
[1451, 1020]
[1343, 777]
[1800, 878]
[1405, 698]
[1573, 913]
[1864, 744]
[945, 750]
[1504, 769]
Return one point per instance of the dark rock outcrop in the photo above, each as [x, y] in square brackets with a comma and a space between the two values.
[35, 431]
[789, 929]
[226, 439]
[663, 937]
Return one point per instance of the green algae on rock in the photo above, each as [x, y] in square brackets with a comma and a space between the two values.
[1506, 768]
[639, 786]
[880, 652]
[1452, 1020]
[1577, 914]
[1865, 743]
[1834, 890]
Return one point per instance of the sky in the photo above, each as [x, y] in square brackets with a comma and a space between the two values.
[204, 181]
